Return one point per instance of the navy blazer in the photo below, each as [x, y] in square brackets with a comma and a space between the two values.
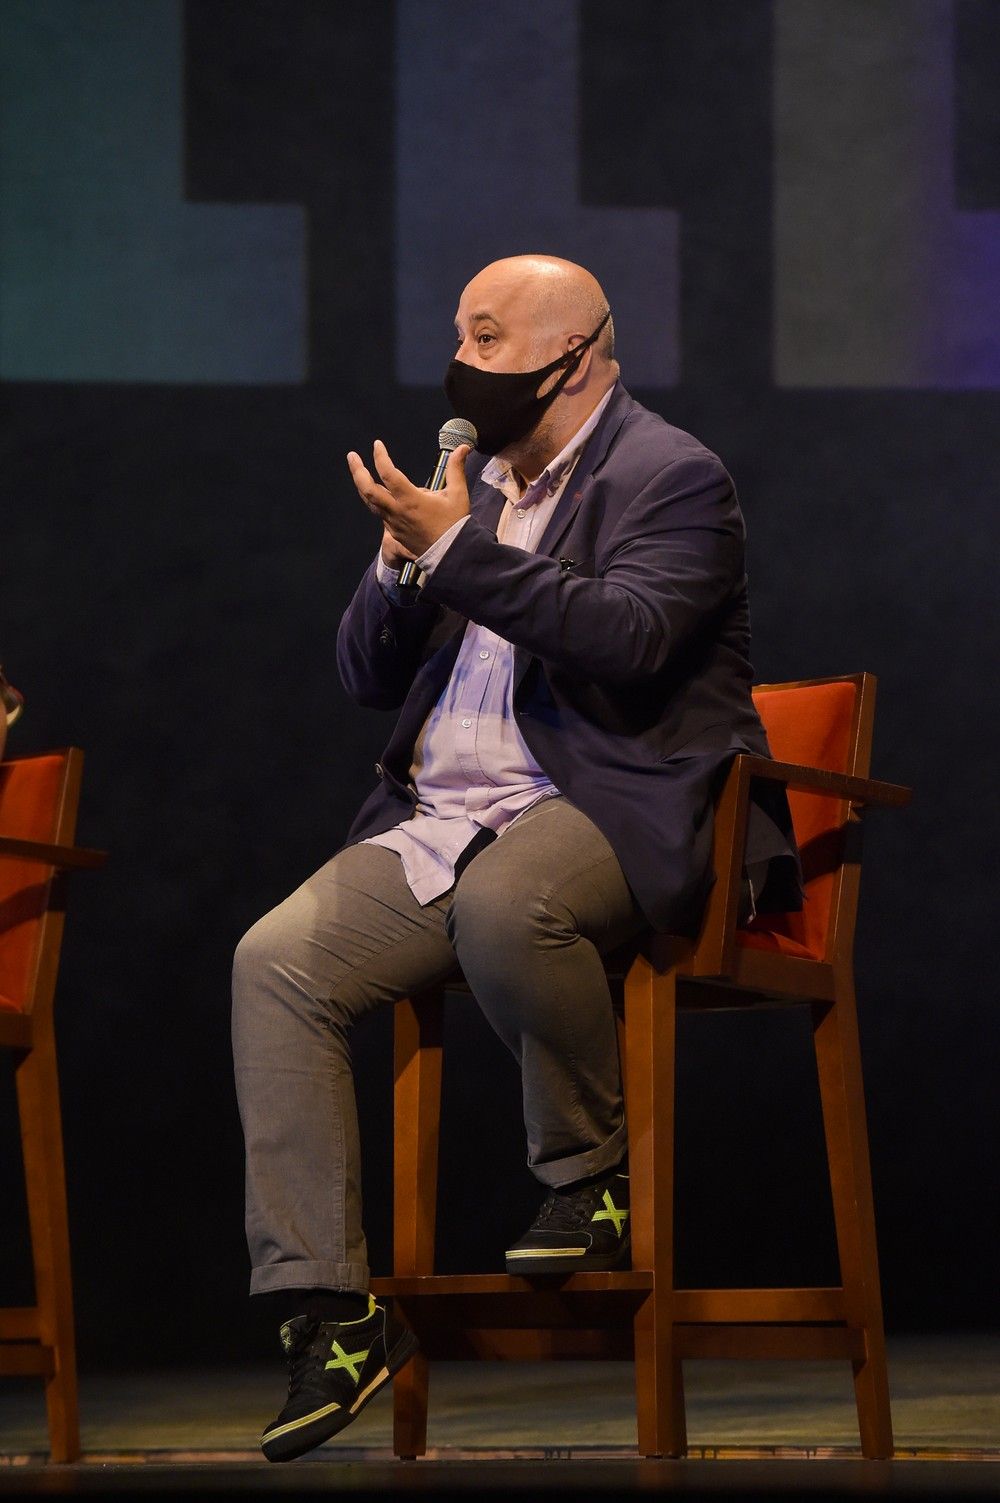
[632, 673]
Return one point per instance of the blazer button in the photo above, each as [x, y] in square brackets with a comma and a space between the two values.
[379, 770]
[385, 637]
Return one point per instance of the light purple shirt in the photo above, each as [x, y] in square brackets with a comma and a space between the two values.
[471, 766]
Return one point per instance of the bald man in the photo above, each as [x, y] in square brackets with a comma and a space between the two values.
[572, 677]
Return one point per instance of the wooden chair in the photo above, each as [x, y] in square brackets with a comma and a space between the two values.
[820, 734]
[38, 806]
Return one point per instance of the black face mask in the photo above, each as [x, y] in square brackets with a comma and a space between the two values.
[503, 406]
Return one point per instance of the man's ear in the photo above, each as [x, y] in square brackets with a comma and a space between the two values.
[579, 376]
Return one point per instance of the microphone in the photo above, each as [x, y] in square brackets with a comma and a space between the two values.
[456, 431]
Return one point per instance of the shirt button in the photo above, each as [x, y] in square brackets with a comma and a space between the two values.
[484, 654]
[379, 770]
[466, 722]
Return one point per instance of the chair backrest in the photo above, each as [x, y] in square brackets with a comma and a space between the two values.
[38, 801]
[820, 723]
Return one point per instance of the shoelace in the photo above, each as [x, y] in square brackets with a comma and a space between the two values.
[567, 1213]
[305, 1360]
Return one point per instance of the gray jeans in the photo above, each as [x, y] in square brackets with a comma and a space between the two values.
[527, 922]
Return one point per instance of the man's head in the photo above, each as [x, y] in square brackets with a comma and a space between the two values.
[524, 313]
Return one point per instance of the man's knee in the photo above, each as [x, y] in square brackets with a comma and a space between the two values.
[282, 964]
[258, 996]
[262, 947]
[278, 991]
[500, 926]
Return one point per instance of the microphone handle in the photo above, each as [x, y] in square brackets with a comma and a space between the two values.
[408, 573]
[436, 482]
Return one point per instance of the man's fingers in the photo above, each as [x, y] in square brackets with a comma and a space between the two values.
[413, 515]
[395, 482]
[359, 473]
[381, 461]
[454, 474]
[391, 496]
[372, 494]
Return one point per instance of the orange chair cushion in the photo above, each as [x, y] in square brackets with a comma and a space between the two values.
[811, 726]
[773, 939]
[30, 800]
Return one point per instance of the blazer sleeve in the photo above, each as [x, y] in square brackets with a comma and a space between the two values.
[379, 644]
[673, 560]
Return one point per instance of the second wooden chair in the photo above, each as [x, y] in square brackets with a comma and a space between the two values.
[820, 733]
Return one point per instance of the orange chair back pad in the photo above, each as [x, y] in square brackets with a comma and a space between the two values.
[30, 798]
[811, 726]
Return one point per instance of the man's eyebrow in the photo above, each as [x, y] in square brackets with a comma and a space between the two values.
[478, 318]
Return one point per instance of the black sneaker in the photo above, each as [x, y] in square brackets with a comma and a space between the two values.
[333, 1370]
[576, 1230]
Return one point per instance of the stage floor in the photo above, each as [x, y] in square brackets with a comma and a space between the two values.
[772, 1427]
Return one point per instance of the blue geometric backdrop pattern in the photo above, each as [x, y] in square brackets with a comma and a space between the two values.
[487, 165]
[879, 281]
[106, 274]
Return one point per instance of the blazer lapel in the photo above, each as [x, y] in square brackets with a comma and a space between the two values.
[486, 503]
[576, 491]
[580, 481]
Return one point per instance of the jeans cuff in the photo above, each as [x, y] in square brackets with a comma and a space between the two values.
[592, 1161]
[347, 1278]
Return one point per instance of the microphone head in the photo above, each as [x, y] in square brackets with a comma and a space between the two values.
[457, 431]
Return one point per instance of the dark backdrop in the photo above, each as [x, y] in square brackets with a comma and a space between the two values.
[233, 239]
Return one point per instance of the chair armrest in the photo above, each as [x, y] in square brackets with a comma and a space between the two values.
[65, 857]
[713, 950]
[829, 784]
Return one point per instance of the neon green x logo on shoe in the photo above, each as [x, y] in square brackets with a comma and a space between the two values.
[349, 1361]
[611, 1213]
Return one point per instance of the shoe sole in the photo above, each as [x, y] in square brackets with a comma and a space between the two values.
[566, 1263]
[311, 1430]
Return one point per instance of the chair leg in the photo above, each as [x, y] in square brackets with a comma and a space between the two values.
[650, 1026]
[838, 1060]
[45, 1181]
[409, 1409]
[417, 1131]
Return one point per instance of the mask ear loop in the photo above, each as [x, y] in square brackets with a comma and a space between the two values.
[573, 358]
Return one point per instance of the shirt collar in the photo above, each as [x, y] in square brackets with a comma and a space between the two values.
[556, 472]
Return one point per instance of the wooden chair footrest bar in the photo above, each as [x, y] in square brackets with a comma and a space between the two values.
[534, 1310]
[26, 1359]
[817, 1306]
[627, 1281]
[494, 1315]
[759, 1306]
[800, 1342]
[455, 1338]
[455, 1342]
[19, 1324]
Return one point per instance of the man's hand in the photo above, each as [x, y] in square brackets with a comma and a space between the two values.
[413, 517]
[393, 553]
